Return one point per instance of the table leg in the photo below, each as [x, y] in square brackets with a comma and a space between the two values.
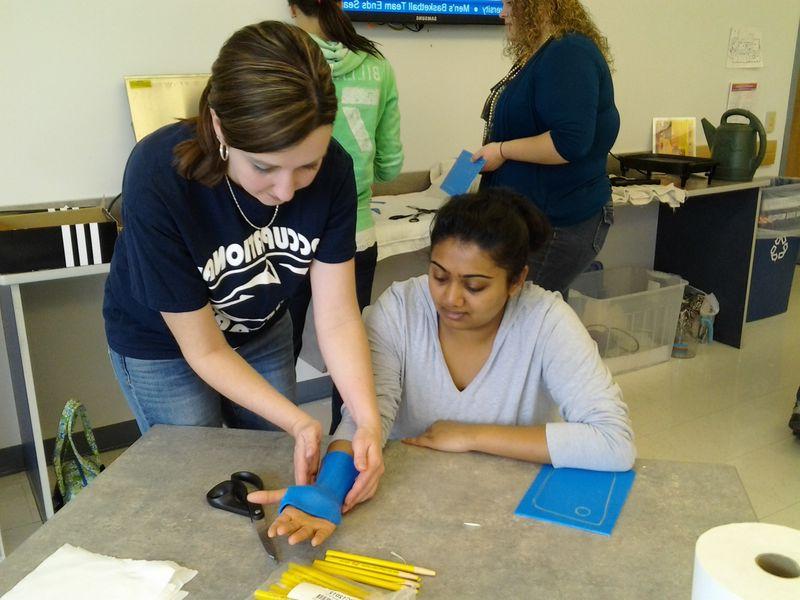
[709, 241]
[19, 361]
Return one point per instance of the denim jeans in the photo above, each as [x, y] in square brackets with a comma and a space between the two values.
[169, 392]
[568, 252]
[365, 263]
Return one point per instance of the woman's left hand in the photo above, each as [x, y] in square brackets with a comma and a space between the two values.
[447, 436]
[368, 459]
[490, 152]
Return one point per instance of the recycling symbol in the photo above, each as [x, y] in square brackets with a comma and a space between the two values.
[779, 248]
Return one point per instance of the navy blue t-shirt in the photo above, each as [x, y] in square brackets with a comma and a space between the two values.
[184, 245]
[566, 89]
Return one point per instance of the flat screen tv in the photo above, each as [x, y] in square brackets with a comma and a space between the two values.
[483, 12]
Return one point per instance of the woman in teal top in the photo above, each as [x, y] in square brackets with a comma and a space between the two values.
[550, 123]
[367, 125]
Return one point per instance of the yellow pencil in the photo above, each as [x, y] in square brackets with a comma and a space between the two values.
[262, 595]
[278, 589]
[375, 568]
[327, 580]
[344, 570]
[333, 569]
[381, 563]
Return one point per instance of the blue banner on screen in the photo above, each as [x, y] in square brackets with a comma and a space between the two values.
[430, 11]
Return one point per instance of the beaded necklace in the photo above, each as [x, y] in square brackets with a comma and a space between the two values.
[487, 114]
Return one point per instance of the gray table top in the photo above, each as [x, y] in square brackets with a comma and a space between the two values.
[150, 504]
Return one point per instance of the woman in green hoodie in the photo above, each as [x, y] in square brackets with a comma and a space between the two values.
[367, 126]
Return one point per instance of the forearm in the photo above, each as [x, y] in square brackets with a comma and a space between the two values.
[521, 443]
[538, 149]
[229, 374]
[345, 351]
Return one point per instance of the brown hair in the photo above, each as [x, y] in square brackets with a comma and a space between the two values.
[533, 18]
[270, 87]
[336, 25]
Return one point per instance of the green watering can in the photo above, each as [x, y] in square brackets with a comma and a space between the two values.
[733, 145]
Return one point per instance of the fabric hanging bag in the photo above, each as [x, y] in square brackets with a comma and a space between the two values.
[74, 471]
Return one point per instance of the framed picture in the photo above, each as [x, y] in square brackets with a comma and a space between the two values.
[674, 135]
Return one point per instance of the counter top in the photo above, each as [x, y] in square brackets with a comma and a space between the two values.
[150, 504]
[697, 185]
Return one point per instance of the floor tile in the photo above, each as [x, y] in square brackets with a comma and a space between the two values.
[726, 434]
[771, 476]
[12, 538]
[15, 508]
[788, 516]
[12, 480]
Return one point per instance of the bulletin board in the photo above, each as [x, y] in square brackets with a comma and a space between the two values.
[158, 100]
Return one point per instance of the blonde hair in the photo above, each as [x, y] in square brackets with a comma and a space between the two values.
[535, 20]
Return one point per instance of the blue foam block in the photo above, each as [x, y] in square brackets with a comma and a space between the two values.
[588, 500]
[462, 174]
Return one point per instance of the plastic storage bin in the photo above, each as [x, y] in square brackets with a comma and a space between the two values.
[776, 249]
[631, 313]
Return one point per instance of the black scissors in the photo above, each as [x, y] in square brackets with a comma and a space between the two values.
[415, 217]
[231, 495]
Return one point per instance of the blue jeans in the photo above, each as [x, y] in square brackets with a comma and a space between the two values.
[569, 250]
[169, 392]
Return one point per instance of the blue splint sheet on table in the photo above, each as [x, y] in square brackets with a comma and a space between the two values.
[462, 174]
[588, 500]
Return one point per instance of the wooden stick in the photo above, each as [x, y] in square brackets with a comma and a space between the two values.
[375, 568]
[381, 563]
[344, 570]
[334, 569]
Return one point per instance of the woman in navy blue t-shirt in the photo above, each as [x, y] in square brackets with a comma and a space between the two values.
[224, 215]
[550, 123]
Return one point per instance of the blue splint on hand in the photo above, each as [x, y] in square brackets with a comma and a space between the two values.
[588, 500]
[324, 499]
[462, 174]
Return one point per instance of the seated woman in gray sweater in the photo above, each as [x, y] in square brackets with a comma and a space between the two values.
[471, 357]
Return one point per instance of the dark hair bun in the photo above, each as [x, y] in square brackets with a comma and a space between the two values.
[500, 221]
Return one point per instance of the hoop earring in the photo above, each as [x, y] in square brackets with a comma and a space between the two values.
[223, 151]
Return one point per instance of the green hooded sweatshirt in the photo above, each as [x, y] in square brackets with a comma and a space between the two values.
[367, 123]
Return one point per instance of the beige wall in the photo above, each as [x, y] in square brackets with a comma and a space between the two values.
[66, 124]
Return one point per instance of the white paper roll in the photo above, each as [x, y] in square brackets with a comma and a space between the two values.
[744, 561]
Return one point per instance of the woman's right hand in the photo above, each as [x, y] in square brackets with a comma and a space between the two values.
[307, 434]
[493, 156]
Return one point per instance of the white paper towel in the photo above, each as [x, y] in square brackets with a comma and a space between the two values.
[72, 573]
[730, 563]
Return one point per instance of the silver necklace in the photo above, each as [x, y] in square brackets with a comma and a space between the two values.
[241, 212]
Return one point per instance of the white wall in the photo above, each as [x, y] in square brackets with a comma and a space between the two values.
[65, 120]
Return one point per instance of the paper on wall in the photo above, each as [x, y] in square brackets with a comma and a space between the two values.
[743, 95]
[744, 48]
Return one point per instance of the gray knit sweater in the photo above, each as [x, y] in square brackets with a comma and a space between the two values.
[543, 368]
